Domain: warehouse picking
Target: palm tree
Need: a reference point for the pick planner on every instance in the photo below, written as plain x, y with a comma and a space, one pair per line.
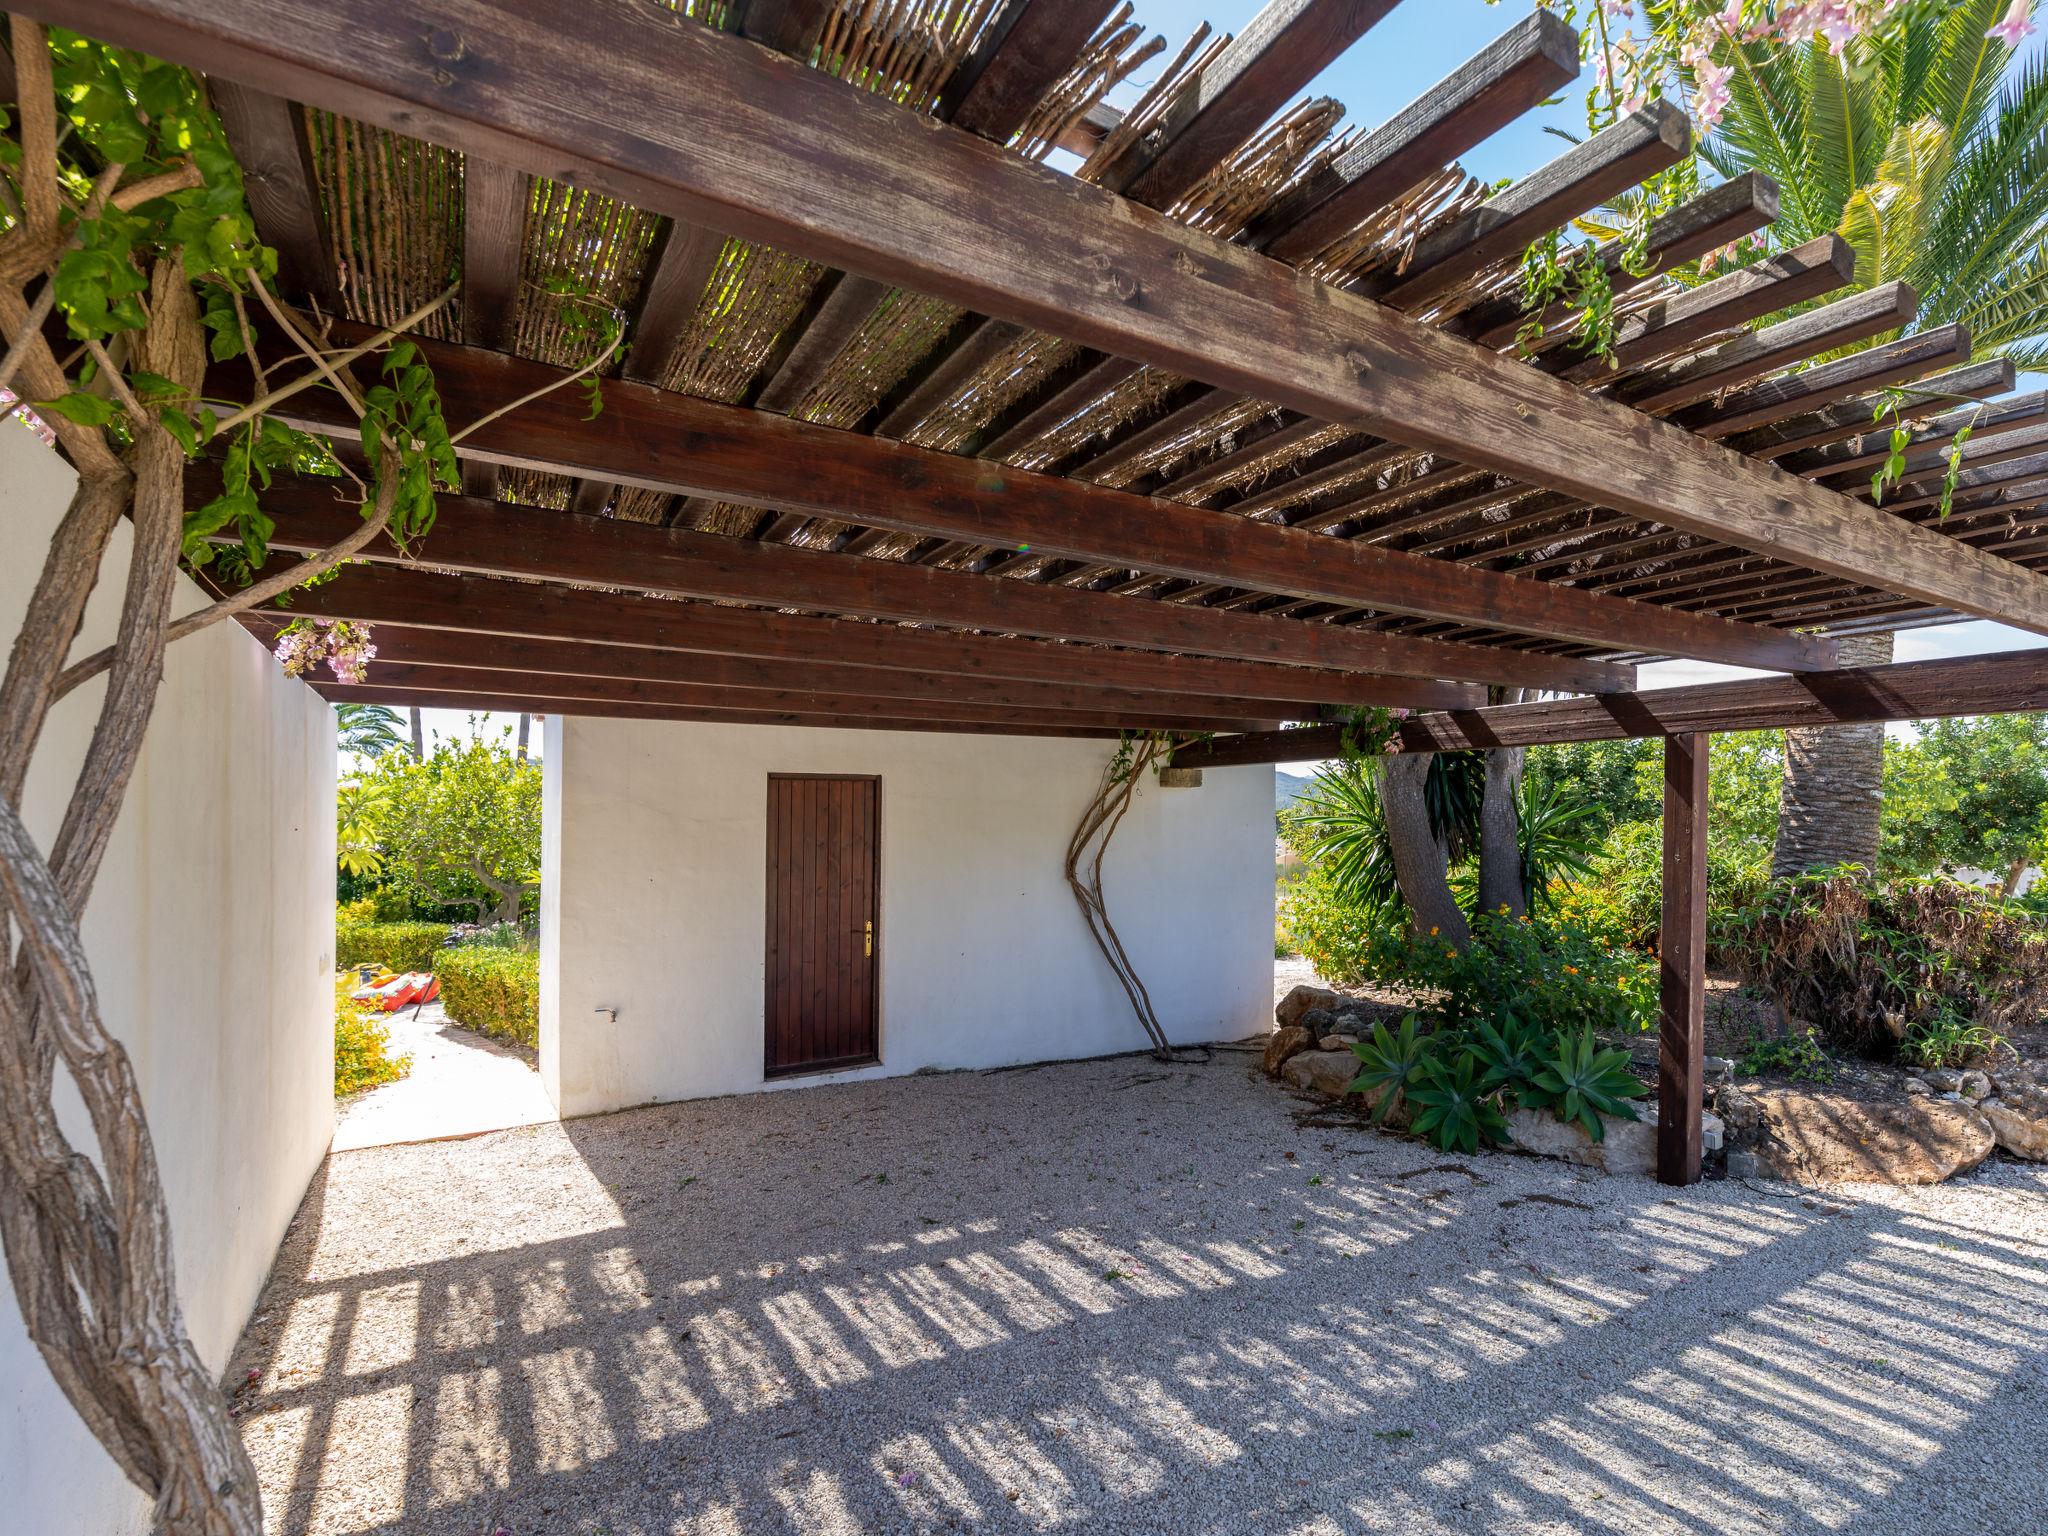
367, 730
1926, 148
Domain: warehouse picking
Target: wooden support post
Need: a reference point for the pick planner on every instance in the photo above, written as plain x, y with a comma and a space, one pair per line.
1681, 965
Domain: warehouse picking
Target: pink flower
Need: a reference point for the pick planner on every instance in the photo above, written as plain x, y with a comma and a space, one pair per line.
2016, 28
1710, 93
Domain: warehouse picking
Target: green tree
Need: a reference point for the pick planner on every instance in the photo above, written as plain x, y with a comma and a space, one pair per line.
1925, 146
459, 827
1607, 776
1968, 794
367, 730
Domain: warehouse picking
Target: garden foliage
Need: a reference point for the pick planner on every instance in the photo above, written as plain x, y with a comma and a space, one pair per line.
399, 946
492, 988
362, 1045
1928, 971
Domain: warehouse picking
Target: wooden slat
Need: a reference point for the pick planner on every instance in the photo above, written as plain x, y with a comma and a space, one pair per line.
1834, 462
1649, 140
1693, 314
838, 317
268, 137
1682, 961
1509, 77
1776, 399
2007, 682
506, 540
1715, 218
1025, 49
680, 443
787, 26
373, 692
1855, 418
534, 659
477, 605
932, 387
703, 125
1842, 323
1280, 50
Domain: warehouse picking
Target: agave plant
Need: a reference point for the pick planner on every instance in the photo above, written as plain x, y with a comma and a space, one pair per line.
1511, 1052
1391, 1065
1455, 1110
1581, 1081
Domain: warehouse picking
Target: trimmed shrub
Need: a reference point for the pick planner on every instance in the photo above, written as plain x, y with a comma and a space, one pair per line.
362, 1045
401, 946
1924, 970
493, 990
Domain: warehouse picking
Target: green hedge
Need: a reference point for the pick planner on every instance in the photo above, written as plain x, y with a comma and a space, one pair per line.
494, 990
402, 946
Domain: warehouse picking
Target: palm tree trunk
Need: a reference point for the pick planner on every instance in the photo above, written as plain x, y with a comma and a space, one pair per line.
525, 725
1421, 862
1500, 835
1833, 796
419, 747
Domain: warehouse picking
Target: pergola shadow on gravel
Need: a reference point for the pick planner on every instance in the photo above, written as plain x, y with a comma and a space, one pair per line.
1118, 1296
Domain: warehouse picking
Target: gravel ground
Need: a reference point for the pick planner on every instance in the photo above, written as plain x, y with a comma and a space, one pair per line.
1120, 1297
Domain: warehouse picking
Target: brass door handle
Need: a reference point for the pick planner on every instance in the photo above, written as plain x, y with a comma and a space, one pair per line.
869, 930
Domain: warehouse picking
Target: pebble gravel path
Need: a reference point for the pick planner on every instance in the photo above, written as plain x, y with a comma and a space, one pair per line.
1123, 1297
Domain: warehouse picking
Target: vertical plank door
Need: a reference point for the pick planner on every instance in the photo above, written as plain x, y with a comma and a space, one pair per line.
823, 844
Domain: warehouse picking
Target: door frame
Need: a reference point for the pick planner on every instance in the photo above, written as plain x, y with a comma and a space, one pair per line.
770, 1072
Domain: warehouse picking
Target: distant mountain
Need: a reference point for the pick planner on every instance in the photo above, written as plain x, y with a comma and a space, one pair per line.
1286, 787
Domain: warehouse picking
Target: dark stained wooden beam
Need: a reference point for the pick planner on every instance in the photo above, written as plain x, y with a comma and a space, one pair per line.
1026, 48
847, 710
679, 443
268, 136
706, 126
423, 645
1651, 139
506, 540
494, 203
2008, 682
504, 612
374, 692
1265, 66
1682, 961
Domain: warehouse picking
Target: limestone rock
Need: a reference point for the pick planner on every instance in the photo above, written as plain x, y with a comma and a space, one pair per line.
1291, 1041
1298, 1002
1318, 1022
1626, 1146
2019, 1119
1337, 1042
1974, 1086
1943, 1079
1325, 1072
1738, 1110
1818, 1137
1916, 1087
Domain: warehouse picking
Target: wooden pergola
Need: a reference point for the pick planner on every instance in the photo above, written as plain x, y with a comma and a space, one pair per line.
1224, 429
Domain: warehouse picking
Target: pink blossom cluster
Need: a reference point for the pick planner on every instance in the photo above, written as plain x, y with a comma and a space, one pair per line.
345, 647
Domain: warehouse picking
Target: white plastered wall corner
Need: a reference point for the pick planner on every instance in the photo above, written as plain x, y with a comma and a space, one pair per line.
653, 904
211, 933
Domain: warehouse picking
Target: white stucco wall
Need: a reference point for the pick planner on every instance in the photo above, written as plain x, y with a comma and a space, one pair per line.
655, 889
211, 931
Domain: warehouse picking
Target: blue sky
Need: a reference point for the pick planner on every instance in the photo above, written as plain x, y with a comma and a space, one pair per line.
1417, 44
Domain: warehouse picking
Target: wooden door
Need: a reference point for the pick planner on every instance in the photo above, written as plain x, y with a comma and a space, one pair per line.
824, 837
